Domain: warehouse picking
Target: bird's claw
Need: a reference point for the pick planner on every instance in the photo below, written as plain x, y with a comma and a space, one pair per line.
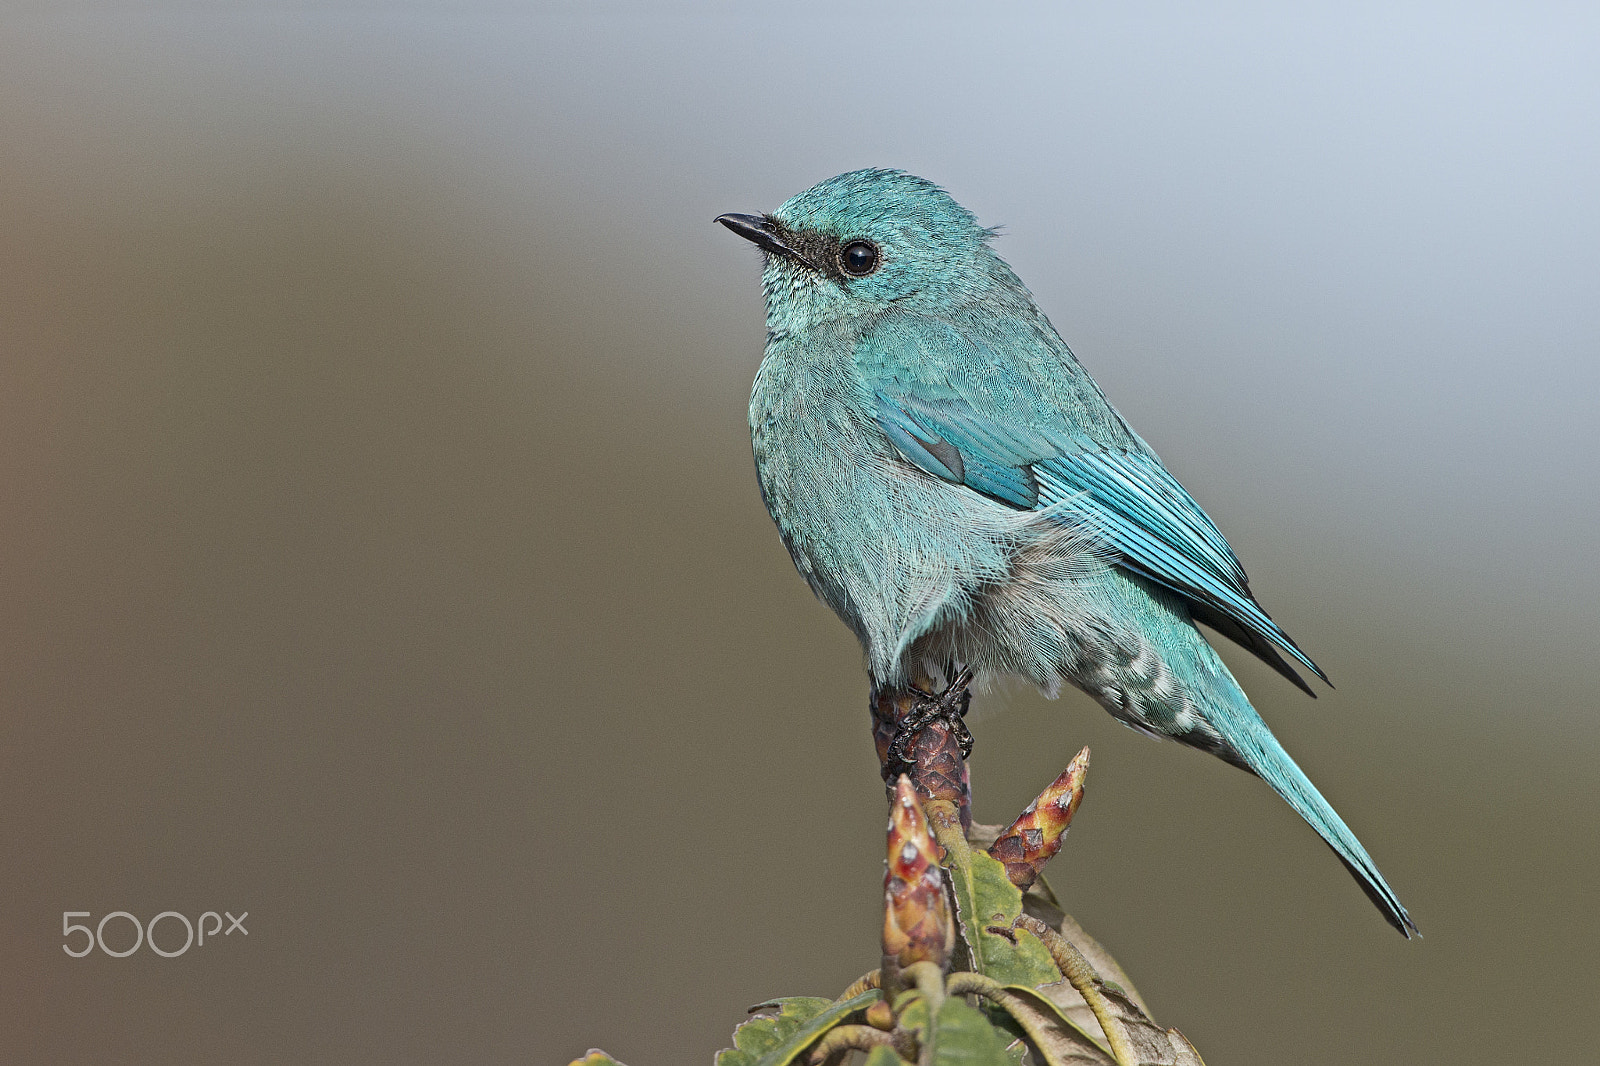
949, 706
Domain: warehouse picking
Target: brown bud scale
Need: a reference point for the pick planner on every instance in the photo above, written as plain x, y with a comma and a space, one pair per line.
939, 771
1029, 842
917, 925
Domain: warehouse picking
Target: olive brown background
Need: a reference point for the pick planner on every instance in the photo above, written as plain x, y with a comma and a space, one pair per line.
380, 552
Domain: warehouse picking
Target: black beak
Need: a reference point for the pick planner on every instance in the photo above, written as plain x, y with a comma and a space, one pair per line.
759, 230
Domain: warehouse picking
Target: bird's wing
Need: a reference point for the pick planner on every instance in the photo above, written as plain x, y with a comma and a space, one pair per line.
1002, 408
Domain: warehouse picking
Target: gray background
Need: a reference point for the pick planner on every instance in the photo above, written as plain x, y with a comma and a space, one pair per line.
380, 552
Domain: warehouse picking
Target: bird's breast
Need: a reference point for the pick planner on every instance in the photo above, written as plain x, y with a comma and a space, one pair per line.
819, 458
883, 543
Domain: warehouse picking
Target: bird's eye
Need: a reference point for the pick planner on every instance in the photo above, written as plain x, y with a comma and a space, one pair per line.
858, 258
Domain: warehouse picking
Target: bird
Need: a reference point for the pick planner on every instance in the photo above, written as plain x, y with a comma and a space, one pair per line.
953, 484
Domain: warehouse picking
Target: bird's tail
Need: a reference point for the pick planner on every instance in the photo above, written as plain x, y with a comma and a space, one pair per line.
1257, 750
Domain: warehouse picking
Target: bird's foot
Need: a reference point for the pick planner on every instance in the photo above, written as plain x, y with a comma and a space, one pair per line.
949, 706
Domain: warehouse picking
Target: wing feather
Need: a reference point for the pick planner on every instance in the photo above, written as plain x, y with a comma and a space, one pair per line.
1032, 431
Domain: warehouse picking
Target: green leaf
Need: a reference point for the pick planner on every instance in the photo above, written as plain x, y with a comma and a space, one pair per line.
1008, 1029
779, 1039
911, 1014
985, 896
883, 1056
964, 1037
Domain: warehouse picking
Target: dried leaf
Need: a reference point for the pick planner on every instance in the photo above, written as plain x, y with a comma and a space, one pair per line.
1187, 1055
1037, 904
1135, 1040
1151, 1045
1110, 971
1061, 1040
1146, 1042
595, 1057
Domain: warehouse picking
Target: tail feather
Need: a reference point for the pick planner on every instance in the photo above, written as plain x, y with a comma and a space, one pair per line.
1254, 748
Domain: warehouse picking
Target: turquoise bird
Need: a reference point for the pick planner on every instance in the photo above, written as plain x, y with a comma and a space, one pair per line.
957, 488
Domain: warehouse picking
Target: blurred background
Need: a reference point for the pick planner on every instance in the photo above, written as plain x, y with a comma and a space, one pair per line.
380, 552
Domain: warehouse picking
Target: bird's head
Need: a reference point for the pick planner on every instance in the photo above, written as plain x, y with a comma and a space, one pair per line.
866, 241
